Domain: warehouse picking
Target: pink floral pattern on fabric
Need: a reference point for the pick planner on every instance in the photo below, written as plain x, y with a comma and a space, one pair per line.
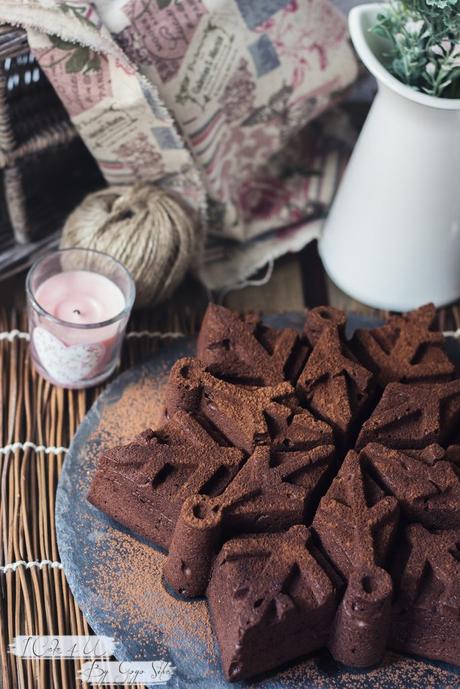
290, 74
160, 32
286, 189
243, 150
138, 155
239, 93
306, 45
262, 197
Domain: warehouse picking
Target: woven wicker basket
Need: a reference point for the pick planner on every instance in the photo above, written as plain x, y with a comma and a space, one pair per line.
45, 167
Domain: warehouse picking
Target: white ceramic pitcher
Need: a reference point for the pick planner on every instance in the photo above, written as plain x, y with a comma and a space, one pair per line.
392, 239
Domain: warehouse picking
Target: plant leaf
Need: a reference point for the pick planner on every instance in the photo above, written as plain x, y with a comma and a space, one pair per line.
60, 43
78, 60
94, 63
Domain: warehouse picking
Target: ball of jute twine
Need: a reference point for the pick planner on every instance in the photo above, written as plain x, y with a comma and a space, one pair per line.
145, 228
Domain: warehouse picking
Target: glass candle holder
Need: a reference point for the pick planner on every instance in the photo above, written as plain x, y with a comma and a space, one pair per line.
79, 302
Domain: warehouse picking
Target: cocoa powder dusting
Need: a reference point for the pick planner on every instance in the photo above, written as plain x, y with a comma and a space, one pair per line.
130, 572
139, 407
140, 597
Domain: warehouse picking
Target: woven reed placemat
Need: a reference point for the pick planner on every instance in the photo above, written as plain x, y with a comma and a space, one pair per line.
37, 423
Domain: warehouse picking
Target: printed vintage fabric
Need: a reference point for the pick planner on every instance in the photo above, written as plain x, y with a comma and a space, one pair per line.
202, 96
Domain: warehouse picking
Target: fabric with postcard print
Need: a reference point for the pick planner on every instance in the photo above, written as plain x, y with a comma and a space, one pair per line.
240, 77
201, 96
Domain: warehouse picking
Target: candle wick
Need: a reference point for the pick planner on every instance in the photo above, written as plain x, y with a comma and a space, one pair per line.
76, 311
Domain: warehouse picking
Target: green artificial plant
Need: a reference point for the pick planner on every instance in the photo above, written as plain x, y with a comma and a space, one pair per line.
423, 39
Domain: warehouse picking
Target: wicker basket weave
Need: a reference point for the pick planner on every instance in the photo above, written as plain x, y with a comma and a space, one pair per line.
45, 167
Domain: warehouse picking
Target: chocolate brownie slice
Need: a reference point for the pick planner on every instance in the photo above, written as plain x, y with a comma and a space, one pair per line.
405, 349
356, 524
414, 416
241, 349
272, 491
143, 484
334, 386
362, 623
321, 318
425, 483
426, 612
272, 599
246, 416
356, 521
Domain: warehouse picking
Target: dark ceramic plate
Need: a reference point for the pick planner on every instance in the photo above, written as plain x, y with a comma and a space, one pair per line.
116, 577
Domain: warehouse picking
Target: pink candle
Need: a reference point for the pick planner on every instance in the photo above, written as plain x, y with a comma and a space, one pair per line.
82, 297
78, 315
